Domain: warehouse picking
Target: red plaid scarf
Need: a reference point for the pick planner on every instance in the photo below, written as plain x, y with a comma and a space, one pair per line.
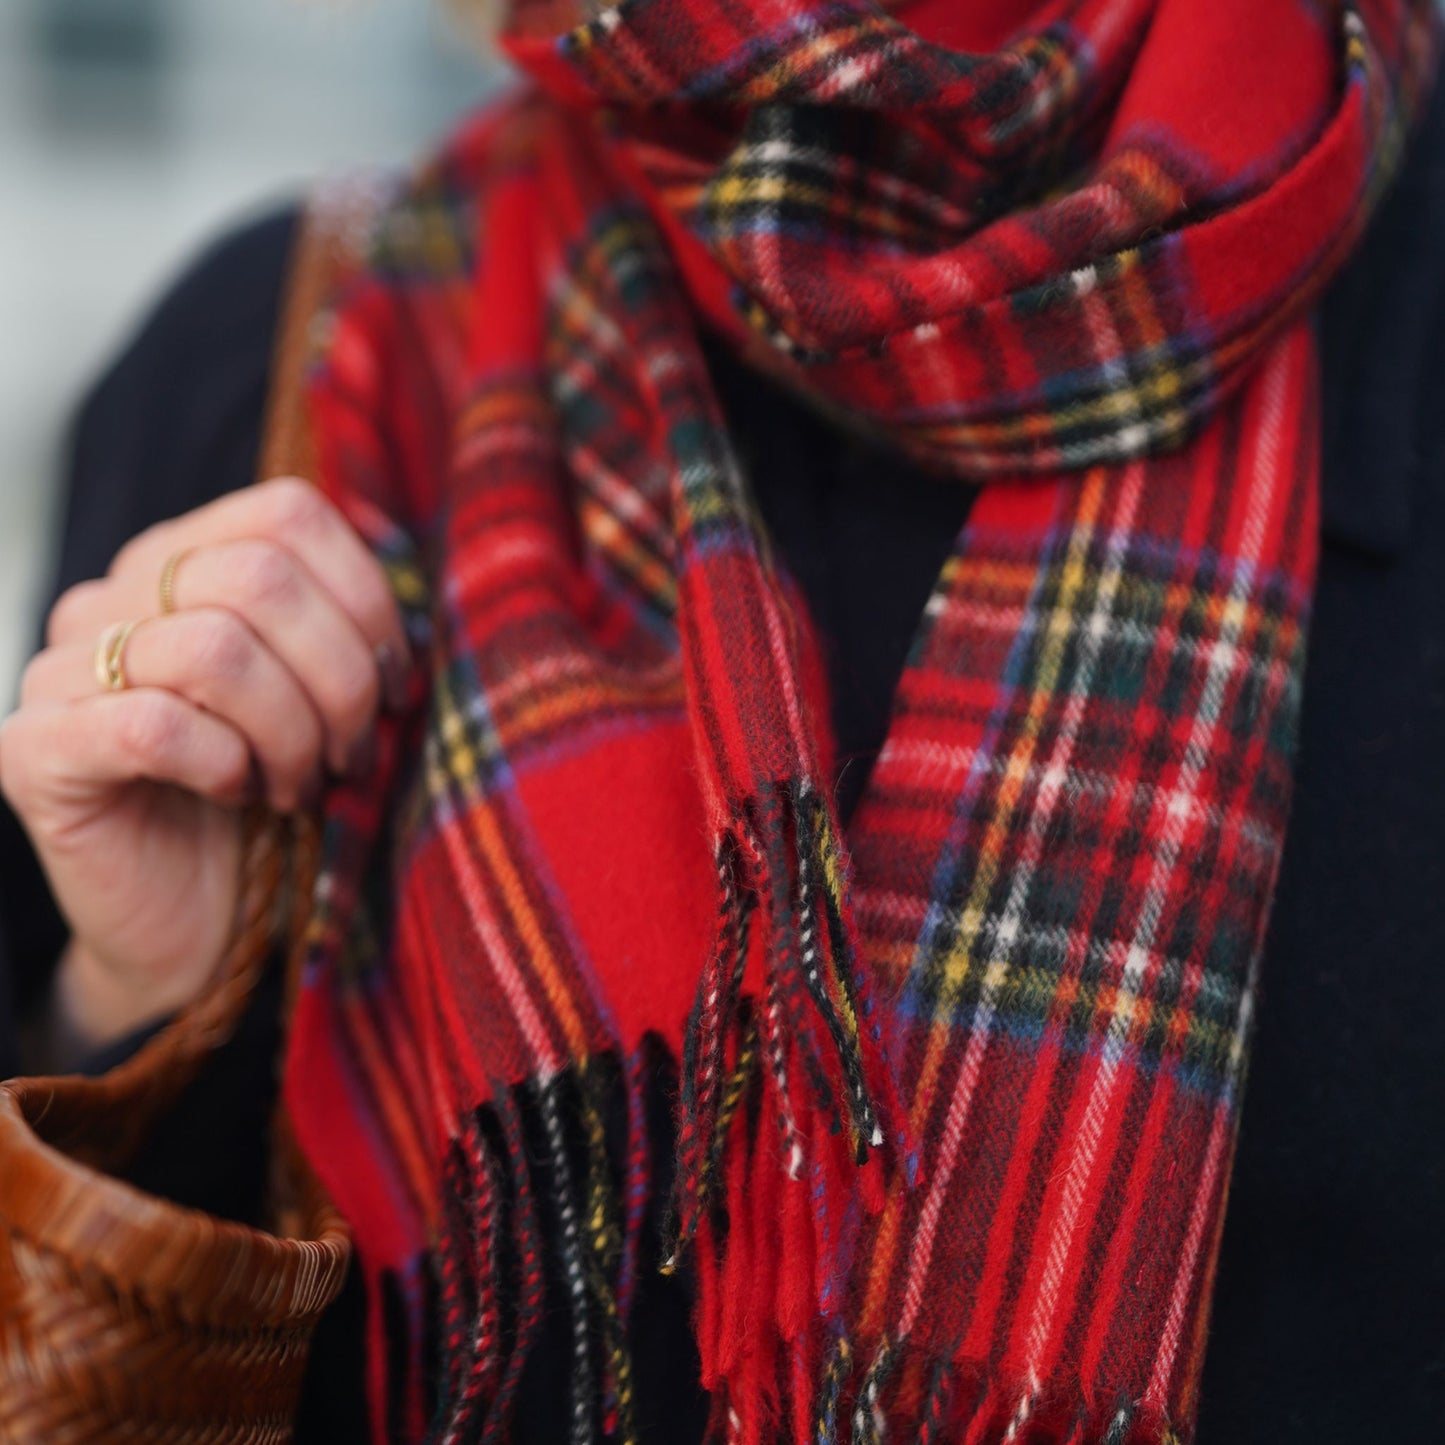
958, 1087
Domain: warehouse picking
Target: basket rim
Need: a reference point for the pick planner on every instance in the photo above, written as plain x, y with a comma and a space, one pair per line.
204, 1269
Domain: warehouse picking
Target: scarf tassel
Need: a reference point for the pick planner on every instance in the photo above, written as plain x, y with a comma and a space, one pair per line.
494, 1245
963, 1403
788, 1114
469, 1295
815, 1014
931, 1399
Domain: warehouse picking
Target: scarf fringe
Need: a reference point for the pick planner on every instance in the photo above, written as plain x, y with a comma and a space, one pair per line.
493, 1247
815, 1015
788, 1113
930, 1400
774, 1354
468, 1282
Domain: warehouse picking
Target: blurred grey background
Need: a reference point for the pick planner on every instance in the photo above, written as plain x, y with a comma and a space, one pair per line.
133, 131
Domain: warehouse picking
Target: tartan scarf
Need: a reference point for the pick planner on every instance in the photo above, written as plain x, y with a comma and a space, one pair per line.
956, 1088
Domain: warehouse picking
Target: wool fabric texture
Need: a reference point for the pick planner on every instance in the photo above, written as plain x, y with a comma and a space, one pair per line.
957, 1087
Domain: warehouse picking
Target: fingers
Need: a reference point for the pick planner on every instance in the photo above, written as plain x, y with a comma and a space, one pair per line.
57, 755
287, 513
300, 622
265, 586
214, 660
76, 613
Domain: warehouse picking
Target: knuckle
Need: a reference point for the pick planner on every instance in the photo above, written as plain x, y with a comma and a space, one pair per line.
33, 678
221, 646
293, 505
141, 545
262, 574
14, 775
149, 728
70, 606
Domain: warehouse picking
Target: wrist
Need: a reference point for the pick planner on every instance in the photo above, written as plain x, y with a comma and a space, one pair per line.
91, 1007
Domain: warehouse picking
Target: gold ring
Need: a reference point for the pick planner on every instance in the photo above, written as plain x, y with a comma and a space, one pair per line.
110, 656
168, 580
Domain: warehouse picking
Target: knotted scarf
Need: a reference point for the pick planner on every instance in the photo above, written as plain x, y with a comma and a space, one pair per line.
955, 1088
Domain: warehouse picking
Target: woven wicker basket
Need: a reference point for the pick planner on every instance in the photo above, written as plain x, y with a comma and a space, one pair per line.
123, 1317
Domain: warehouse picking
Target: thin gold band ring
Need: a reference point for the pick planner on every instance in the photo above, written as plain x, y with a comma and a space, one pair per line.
168, 581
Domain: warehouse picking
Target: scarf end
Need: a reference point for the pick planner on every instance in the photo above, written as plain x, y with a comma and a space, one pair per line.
798, 1022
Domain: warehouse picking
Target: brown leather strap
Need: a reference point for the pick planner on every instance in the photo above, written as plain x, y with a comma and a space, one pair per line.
286, 441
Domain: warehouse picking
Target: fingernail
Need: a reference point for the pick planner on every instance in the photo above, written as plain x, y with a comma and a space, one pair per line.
361, 760
393, 677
